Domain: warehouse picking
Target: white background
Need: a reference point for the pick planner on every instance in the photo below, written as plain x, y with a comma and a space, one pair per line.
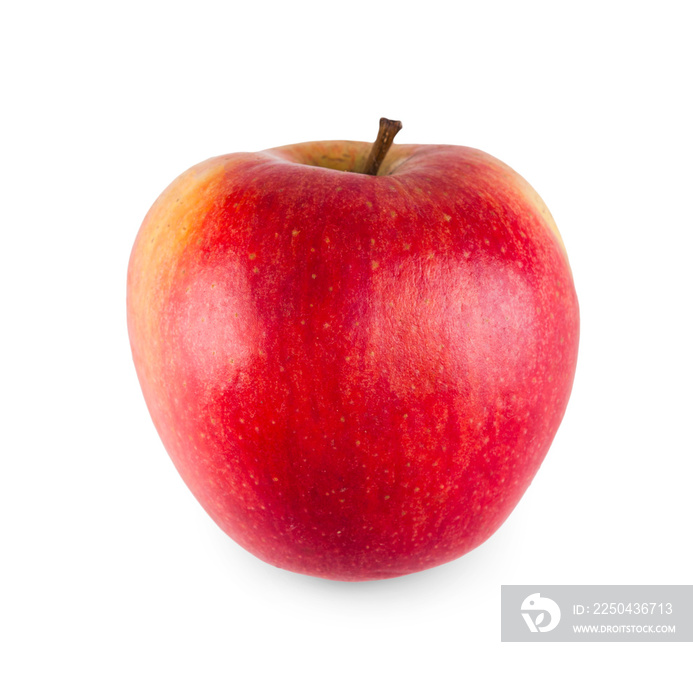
114, 583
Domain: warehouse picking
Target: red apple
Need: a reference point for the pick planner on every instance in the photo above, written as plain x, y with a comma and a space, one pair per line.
356, 375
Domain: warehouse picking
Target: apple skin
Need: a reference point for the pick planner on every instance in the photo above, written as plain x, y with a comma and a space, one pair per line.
357, 376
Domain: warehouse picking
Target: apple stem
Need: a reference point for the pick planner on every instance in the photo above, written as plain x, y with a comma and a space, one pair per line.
386, 135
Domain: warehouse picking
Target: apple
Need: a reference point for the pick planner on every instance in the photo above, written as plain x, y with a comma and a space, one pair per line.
356, 357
